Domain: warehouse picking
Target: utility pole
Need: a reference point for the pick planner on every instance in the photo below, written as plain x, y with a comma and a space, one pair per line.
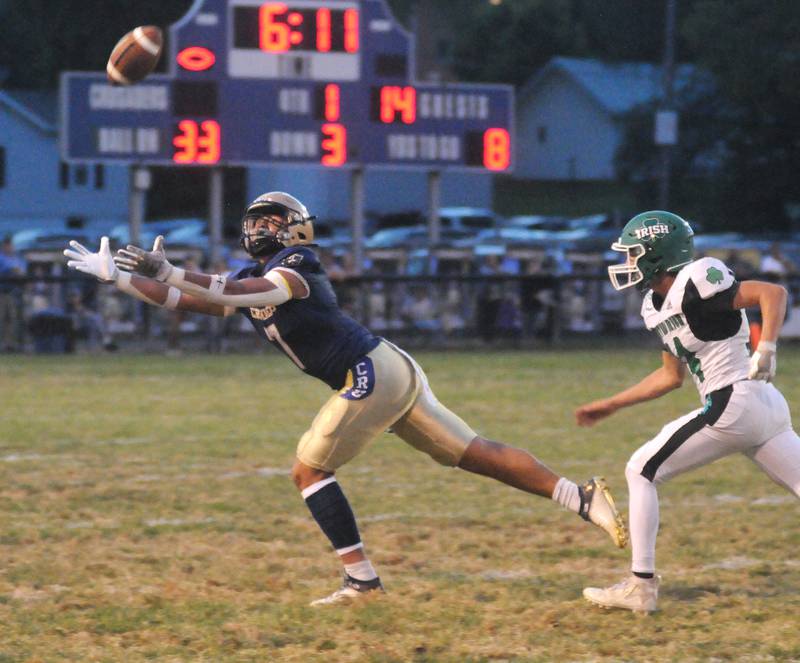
666, 125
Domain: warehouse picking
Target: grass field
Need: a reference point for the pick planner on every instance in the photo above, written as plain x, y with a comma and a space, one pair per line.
146, 514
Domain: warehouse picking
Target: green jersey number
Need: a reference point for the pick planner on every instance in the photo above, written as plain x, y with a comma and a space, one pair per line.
691, 360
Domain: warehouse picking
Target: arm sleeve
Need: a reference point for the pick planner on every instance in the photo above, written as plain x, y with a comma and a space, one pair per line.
215, 292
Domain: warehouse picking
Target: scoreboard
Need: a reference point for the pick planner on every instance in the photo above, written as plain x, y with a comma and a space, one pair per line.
307, 82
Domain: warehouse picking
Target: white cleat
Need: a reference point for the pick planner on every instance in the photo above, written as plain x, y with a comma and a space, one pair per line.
352, 590
597, 506
633, 593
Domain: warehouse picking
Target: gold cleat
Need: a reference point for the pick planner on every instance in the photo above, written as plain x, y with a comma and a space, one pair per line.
597, 506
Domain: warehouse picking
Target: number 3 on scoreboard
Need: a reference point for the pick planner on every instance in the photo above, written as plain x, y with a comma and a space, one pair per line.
334, 144
197, 143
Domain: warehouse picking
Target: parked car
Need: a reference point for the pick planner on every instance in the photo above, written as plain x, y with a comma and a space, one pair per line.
332, 234
411, 237
467, 219
537, 222
188, 230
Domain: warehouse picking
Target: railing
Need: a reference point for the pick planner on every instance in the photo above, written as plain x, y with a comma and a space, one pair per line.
74, 313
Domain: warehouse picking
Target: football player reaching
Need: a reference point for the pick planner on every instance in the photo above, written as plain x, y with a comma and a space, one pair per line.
287, 297
695, 307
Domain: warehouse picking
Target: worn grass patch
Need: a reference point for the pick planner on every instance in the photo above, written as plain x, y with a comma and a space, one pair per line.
146, 514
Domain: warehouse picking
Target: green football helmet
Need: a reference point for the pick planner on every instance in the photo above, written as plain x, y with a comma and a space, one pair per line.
653, 243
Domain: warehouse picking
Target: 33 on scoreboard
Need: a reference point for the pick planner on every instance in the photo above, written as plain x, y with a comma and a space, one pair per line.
307, 82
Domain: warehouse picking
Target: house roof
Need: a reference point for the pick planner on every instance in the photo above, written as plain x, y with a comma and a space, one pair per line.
617, 86
39, 107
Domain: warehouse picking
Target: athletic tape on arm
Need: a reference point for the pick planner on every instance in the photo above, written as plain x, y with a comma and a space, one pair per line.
215, 292
125, 285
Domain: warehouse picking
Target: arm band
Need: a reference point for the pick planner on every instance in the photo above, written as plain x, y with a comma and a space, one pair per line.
125, 285
215, 292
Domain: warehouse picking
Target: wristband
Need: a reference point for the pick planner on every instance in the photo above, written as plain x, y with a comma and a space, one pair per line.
175, 277
767, 346
173, 297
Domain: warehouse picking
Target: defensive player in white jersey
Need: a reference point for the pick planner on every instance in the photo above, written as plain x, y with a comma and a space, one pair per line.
695, 307
288, 298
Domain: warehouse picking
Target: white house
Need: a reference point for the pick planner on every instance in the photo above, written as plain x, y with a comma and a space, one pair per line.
570, 115
37, 189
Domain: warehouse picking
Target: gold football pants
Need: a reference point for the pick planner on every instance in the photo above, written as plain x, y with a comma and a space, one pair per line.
386, 389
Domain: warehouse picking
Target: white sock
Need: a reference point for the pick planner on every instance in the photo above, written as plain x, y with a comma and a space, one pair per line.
567, 495
643, 520
361, 570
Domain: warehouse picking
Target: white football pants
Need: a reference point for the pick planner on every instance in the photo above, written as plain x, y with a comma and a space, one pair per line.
750, 417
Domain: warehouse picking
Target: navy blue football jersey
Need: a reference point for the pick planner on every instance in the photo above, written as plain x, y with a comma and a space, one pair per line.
313, 332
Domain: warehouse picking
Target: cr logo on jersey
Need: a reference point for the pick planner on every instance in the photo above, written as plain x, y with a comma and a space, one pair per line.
262, 313
360, 381
652, 228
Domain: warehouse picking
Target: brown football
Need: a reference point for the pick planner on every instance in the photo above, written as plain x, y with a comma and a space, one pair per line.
135, 55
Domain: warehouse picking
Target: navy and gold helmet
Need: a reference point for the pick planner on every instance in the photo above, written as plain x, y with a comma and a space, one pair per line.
294, 228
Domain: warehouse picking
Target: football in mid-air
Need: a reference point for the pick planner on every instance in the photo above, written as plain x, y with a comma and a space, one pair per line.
135, 55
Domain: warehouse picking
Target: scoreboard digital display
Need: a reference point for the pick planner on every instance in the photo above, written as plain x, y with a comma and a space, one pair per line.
305, 82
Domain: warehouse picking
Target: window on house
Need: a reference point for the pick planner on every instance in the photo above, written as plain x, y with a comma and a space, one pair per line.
541, 134
80, 175
99, 176
63, 175
2, 167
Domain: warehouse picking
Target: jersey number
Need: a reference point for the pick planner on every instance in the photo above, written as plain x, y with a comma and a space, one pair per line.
274, 335
691, 360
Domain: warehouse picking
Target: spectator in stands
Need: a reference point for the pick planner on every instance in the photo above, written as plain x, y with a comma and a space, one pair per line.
332, 266
176, 318
421, 313
742, 268
775, 266
12, 266
87, 324
489, 299
509, 317
453, 322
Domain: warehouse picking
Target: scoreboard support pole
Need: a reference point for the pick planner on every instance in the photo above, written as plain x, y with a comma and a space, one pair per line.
140, 181
215, 211
357, 218
216, 202
434, 203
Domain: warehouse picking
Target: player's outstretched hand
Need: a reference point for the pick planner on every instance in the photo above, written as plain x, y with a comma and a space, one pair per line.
763, 363
152, 264
100, 265
591, 413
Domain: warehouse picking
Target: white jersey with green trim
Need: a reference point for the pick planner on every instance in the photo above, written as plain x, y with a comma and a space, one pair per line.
697, 323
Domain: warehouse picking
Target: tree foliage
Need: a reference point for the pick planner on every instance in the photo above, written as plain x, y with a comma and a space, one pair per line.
39, 38
753, 49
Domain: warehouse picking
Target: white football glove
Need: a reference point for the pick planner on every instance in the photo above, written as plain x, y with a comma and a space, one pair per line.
100, 265
152, 264
762, 363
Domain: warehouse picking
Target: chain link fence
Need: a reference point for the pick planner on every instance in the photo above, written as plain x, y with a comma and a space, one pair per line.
55, 314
